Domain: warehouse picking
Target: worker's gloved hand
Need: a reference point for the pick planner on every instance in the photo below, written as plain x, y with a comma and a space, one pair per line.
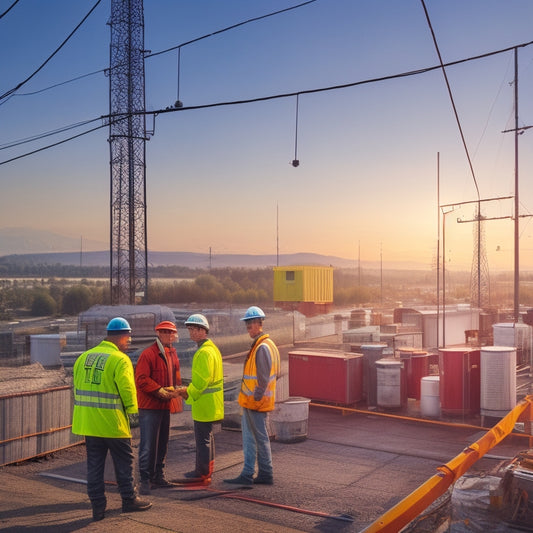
134, 419
164, 394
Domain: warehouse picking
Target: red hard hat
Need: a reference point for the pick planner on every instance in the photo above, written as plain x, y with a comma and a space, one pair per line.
167, 324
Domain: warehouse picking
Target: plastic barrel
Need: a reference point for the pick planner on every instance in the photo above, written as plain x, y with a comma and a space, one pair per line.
430, 396
289, 419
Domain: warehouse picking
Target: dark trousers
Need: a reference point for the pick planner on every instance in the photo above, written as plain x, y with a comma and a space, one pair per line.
154, 425
205, 448
122, 455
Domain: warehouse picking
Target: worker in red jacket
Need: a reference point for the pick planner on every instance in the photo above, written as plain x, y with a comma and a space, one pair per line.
157, 375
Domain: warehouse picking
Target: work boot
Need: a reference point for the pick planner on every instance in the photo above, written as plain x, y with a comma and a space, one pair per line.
144, 489
98, 513
131, 505
263, 480
161, 483
240, 480
198, 479
192, 474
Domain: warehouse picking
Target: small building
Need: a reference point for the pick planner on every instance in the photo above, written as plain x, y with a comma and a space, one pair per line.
307, 289
142, 319
460, 320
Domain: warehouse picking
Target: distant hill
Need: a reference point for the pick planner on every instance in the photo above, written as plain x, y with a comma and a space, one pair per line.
186, 259
198, 260
30, 241
30, 246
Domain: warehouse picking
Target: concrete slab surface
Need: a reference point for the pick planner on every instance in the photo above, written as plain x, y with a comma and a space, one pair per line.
349, 470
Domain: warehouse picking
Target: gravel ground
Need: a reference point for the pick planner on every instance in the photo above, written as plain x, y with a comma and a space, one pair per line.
30, 378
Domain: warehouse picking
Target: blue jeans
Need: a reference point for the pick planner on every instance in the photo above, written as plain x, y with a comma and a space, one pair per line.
154, 426
255, 444
122, 455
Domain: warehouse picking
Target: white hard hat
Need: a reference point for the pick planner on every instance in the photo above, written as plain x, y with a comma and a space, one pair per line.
198, 320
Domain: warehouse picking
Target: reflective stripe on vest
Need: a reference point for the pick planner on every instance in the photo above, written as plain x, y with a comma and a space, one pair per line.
217, 386
249, 380
114, 403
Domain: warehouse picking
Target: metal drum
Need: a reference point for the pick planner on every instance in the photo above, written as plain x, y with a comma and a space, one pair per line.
498, 380
459, 380
416, 367
391, 393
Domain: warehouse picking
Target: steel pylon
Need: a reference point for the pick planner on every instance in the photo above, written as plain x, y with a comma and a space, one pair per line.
127, 144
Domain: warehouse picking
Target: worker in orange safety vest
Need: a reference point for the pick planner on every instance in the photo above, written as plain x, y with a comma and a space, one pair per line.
257, 397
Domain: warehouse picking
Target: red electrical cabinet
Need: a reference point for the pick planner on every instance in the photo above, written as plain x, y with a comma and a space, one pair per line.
460, 386
326, 375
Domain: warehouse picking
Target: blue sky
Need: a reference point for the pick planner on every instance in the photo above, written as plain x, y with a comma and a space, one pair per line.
217, 178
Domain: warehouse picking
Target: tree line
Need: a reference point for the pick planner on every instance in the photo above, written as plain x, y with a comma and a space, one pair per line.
77, 289
70, 295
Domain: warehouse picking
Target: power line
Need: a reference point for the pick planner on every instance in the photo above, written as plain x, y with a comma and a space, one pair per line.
61, 83
9, 9
232, 27
47, 134
451, 96
176, 47
11, 91
283, 95
63, 141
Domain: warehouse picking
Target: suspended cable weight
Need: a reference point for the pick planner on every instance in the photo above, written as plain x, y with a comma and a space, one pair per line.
296, 161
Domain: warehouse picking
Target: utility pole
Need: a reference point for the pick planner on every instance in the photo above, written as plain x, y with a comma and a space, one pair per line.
277, 234
127, 145
516, 299
477, 248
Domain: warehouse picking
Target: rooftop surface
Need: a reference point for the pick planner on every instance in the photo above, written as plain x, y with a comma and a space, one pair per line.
350, 469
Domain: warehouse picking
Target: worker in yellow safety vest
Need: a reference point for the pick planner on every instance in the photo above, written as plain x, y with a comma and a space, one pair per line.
257, 397
104, 396
205, 395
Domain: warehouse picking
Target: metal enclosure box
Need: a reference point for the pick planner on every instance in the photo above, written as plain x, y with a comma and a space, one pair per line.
326, 375
460, 378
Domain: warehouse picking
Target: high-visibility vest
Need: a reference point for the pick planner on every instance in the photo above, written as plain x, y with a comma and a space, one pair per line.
206, 390
249, 378
104, 393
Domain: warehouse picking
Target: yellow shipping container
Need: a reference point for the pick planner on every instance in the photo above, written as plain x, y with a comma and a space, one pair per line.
303, 284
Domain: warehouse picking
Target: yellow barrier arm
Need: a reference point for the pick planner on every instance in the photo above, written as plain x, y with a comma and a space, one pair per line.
411, 506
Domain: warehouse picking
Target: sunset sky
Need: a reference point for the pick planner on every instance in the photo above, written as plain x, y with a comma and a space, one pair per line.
221, 177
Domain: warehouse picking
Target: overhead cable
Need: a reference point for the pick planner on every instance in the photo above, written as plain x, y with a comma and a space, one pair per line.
11, 91
47, 134
63, 141
283, 95
2, 15
233, 26
178, 47
451, 96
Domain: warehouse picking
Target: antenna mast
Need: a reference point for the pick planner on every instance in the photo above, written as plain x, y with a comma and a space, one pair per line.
127, 145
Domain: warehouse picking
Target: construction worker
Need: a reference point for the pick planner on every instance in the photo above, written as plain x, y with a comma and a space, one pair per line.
257, 397
205, 395
104, 396
157, 374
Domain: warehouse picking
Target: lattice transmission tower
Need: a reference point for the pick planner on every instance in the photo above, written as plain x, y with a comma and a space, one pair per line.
127, 144
480, 287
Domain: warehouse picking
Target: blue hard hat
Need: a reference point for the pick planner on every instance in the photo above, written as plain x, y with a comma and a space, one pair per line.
253, 312
118, 324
